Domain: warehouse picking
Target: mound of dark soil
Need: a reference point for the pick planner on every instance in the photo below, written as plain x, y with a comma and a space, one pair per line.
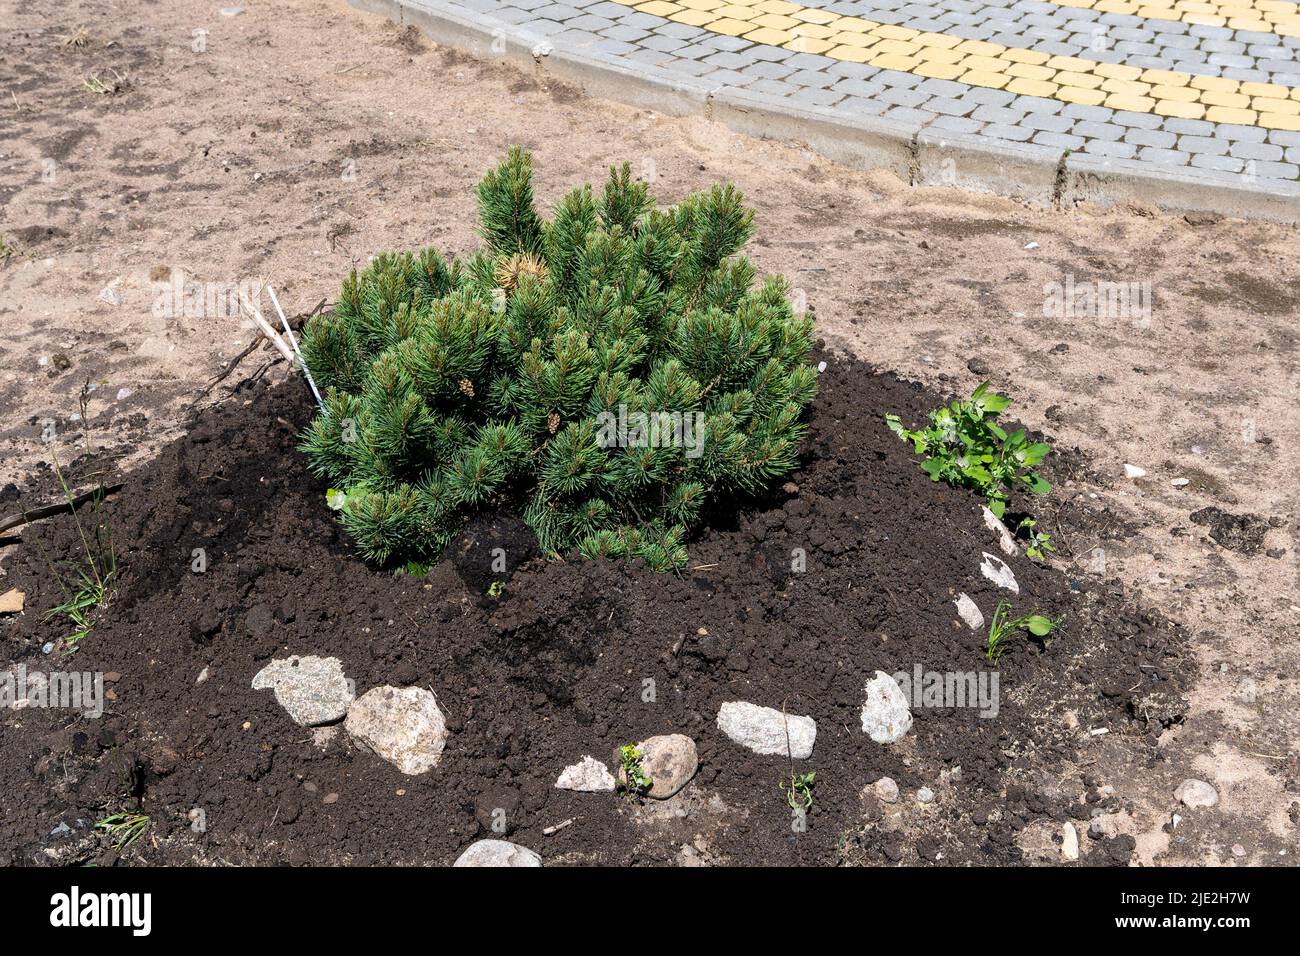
571, 659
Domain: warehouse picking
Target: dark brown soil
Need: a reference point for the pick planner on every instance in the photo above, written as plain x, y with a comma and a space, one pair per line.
556, 668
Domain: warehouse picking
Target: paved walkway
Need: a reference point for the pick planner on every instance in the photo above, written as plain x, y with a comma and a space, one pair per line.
1208, 87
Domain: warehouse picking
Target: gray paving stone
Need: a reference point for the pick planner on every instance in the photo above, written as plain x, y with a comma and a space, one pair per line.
1048, 122
1165, 157
1224, 164
1267, 152
1114, 150
1059, 140
1094, 130
1203, 144
1018, 134
1150, 138
956, 124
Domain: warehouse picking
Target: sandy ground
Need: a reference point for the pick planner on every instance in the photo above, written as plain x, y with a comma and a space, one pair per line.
288, 145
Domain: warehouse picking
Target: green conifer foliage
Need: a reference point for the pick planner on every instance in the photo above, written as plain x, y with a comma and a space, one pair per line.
611, 371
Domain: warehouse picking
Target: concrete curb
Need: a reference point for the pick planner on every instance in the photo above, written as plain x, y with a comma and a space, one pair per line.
1037, 175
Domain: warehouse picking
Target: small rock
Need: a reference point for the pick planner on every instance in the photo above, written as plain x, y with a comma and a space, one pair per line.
11, 602
1196, 793
497, 853
925, 795
1069, 842
1134, 471
669, 760
231, 11
330, 798
1180, 482
1070, 720
203, 675
124, 393
588, 775
886, 718
402, 725
886, 789
312, 689
1006, 540
977, 367
763, 730
1247, 691
110, 295
1238, 850
997, 571
969, 612
1106, 825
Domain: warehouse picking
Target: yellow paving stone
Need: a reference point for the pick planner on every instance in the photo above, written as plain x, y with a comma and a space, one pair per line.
777, 6
1076, 94
1082, 80
772, 37
853, 54
980, 48
658, 8
1220, 84
1071, 63
732, 28
1204, 20
816, 31
1224, 114
1126, 87
1246, 23
901, 47
1234, 100
1125, 7
1027, 87
808, 45
941, 40
1180, 94
1179, 109
939, 71
892, 61
993, 81
1279, 121
694, 18
1117, 71
1026, 56
813, 15
1264, 89
859, 40
1266, 105
888, 31
702, 4
1134, 104
853, 25
777, 21
931, 54
1166, 77
1030, 72
736, 11
989, 64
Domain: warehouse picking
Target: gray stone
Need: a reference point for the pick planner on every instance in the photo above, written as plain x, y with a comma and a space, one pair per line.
497, 853
1069, 842
886, 717
997, 571
588, 775
969, 612
312, 690
763, 730
925, 795
886, 789
1196, 793
669, 760
402, 725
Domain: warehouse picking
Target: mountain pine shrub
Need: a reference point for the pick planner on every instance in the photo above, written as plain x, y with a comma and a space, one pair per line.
610, 371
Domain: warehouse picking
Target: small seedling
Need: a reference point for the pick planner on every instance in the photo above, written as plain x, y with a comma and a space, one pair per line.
97, 575
78, 40
7, 249
1038, 545
1002, 627
125, 828
637, 781
966, 447
799, 791
496, 589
